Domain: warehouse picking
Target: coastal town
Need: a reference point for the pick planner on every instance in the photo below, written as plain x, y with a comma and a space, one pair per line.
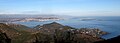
30, 19
40, 19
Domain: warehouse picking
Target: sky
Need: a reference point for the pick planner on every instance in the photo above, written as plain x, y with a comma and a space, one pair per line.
61, 7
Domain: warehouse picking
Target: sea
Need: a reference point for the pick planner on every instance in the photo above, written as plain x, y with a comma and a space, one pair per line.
110, 24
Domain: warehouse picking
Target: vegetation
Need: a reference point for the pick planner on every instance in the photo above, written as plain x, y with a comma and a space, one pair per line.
49, 33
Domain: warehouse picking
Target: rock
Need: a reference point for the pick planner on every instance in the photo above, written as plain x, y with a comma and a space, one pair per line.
4, 38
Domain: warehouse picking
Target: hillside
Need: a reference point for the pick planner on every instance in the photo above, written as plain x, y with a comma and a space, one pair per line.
11, 32
4, 38
18, 33
50, 33
57, 33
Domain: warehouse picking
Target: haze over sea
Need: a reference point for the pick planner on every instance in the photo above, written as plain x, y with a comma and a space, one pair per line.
109, 24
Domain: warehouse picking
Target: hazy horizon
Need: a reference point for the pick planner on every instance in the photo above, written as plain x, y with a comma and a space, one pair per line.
61, 7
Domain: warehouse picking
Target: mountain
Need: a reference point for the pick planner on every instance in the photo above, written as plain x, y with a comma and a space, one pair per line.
57, 33
51, 27
49, 33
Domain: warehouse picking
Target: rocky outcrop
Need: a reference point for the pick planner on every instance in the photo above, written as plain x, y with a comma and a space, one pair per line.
4, 38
